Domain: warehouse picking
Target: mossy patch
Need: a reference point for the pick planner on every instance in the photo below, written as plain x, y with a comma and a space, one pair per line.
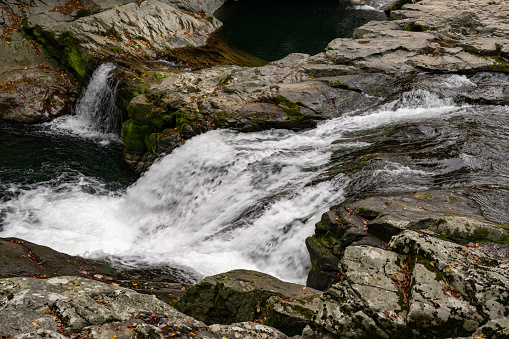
135, 136
339, 84
415, 27
484, 235
290, 108
64, 48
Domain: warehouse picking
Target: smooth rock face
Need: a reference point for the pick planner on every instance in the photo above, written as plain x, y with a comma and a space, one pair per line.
33, 87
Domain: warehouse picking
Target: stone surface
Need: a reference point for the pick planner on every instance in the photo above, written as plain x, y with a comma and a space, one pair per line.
146, 29
242, 295
438, 269
72, 306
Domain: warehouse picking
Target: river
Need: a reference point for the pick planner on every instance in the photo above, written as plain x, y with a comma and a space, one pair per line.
228, 200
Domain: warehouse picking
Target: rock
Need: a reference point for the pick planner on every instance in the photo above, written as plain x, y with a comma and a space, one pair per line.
242, 295
20, 258
147, 29
246, 330
412, 282
73, 306
33, 87
60, 36
196, 6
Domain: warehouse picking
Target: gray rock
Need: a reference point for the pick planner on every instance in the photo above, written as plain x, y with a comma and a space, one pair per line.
146, 29
72, 306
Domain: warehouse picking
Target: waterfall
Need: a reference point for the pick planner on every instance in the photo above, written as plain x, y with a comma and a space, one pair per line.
221, 201
96, 106
378, 5
96, 114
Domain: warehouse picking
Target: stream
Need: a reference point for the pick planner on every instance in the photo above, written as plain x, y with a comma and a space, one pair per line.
227, 200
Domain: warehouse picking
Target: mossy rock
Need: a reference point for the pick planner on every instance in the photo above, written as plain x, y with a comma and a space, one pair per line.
136, 136
64, 48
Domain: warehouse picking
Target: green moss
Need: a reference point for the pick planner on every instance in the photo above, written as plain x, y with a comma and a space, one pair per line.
64, 48
414, 27
505, 227
80, 13
339, 84
439, 275
136, 136
483, 235
290, 108
116, 49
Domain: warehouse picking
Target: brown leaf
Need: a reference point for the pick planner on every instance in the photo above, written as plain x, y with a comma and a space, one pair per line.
36, 325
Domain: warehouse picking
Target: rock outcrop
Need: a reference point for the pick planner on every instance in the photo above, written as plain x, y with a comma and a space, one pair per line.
417, 265
20, 258
61, 307
429, 36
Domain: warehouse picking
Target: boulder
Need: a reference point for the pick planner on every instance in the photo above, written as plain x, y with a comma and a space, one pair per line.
243, 295
20, 258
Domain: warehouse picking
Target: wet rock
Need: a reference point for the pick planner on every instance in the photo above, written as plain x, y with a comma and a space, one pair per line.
20, 258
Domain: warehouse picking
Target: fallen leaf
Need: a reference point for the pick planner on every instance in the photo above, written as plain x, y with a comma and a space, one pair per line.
36, 325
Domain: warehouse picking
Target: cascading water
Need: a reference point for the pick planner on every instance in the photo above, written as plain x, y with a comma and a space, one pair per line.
223, 200
96, 114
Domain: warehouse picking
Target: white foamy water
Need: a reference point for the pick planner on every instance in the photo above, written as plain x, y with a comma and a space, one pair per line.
96, 116
223, 200
375, 5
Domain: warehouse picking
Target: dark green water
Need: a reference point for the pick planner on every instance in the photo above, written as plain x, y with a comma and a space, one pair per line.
272, 29
35, 154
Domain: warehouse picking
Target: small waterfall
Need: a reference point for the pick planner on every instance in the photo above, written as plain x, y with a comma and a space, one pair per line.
221, 201
96, 106
97, 116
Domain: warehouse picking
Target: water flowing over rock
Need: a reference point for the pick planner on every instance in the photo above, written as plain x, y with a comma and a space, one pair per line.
300, 90
59, 41
389, 268
96, 107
